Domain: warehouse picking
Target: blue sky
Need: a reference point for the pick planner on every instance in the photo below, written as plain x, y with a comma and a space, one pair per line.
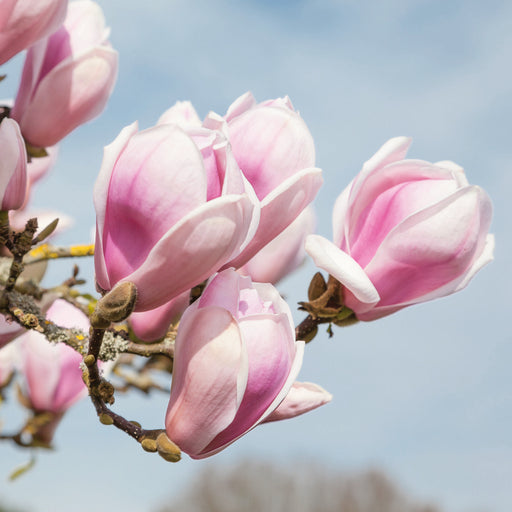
425, 394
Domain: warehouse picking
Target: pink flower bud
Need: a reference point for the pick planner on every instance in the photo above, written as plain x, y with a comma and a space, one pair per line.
236, 359
23, 22
67, 78
52, 371
405, 231
171, 209
13, 166
275, 151
284, 254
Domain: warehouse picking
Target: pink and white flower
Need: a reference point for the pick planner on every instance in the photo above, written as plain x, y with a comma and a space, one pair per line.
67, 77
236, 360
405, 231
171, 209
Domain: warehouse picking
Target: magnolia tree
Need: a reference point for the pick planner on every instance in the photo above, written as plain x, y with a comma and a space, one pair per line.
196, 221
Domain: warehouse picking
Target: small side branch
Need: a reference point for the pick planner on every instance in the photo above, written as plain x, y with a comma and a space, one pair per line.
49, 252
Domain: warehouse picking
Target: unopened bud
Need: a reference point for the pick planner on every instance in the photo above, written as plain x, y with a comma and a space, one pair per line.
46, 232
106, 419
167, 449
115, 306
89, 360
148, 445
317, 286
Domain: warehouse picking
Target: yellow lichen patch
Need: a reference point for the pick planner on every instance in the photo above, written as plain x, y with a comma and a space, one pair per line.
82, 250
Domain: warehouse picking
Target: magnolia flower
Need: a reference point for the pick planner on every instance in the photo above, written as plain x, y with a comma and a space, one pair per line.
23, 22
52, 370
405, 231
235, 361
67, 77
171, 209
275, 151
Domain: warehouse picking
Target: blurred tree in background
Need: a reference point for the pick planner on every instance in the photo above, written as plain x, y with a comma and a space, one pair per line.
253, 486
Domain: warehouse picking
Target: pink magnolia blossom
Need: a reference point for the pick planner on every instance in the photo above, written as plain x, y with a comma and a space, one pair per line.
9, 330
52, 371
13, 166
236, 360
284, 254
275, 151
171, 208
67, 77
405, 231
23, 22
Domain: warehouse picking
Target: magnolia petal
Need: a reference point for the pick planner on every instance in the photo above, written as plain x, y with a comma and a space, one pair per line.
432, 248
270, 144
284, 253
341, 266
271, 351
181, 113
294, 371
279, 209
302, 397
101, 187
153, 325
223, 290
243, 103
206, 238
211, 403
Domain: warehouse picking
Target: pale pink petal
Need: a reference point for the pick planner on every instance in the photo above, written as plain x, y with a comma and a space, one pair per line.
240, 105
345, 269
431, 247
302, 397
210, 404
153, 325
206, 238
284, 253
101, 188
271, 352
181, 113
270, 145
279, 209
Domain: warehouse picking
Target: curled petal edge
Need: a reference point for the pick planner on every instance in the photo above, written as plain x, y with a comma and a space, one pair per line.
344, 268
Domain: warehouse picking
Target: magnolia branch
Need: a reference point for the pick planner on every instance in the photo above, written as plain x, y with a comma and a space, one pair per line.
49, 252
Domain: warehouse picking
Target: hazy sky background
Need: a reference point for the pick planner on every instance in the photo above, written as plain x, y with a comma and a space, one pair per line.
424, 394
